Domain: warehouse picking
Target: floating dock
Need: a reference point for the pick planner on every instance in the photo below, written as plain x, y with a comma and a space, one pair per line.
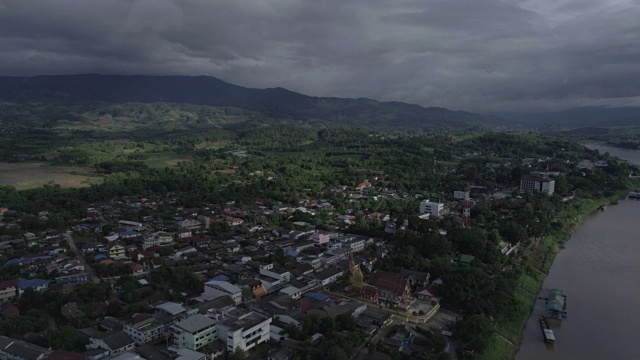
549, 337
556, 304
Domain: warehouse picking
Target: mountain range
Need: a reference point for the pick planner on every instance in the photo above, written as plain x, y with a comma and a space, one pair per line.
277, 103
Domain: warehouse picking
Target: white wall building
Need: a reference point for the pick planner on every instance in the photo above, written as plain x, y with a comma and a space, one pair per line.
537, 182
160, 238
434, 209
244, 331
144, 330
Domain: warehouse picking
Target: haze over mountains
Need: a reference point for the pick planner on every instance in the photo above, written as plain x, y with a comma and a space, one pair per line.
203, 90
279, 103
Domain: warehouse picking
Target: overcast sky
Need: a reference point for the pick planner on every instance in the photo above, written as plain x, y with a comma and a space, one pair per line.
477, 55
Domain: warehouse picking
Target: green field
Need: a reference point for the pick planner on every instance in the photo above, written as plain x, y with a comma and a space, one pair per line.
31, 175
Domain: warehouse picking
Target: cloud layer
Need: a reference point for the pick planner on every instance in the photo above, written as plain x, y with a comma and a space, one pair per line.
489, 55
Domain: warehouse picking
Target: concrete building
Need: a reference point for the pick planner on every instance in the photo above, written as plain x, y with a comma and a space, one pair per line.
8, 290
12, 349
274, 272
143, 329
537, 182
215, 289
194, 332
244, 331
116, 342
434, 209
160, 238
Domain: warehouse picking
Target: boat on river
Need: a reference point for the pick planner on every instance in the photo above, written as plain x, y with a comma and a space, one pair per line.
634, 194
549, 336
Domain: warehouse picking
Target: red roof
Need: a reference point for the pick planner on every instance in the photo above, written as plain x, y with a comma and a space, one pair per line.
8, 284
388, 281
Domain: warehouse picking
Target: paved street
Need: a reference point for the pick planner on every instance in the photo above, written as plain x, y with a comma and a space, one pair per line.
72, 245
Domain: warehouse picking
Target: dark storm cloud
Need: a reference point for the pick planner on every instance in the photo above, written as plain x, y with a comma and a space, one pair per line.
462, 54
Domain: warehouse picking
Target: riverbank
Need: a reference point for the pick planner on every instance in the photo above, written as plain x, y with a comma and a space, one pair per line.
535, 267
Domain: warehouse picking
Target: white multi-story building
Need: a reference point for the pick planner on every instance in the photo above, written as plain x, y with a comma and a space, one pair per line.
194, 332
537, 182
143, 329
160, 238
434, 209
244, 331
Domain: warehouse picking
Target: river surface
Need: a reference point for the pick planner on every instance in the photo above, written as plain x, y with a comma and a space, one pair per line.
599, 271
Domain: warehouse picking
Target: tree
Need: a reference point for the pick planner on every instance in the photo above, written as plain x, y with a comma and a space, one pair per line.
237, 354
476, 330
63, 338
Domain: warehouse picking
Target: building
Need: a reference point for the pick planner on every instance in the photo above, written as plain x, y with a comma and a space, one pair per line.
116, 342
12, 349
432, 208
537, 182
244, 331
8, 290
328, 276
321, 237
160, 238
194, 332
215, 289
384, 286
116, 251
461, 195
143, 329
130, 225
275, 273
35, 284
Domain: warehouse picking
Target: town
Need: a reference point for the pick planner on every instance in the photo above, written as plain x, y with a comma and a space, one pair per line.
146, 277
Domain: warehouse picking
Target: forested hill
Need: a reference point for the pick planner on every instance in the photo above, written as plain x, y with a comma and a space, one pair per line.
203, 90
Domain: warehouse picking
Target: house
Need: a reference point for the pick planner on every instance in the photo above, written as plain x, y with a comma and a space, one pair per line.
415, 278
130, 225
194, 332
8, 290
244, 331
116, 251
430, 293
12, 349
215, 288
137, 269
274, 272
143, 329
116, 342
70, 310
328, 276
35, 284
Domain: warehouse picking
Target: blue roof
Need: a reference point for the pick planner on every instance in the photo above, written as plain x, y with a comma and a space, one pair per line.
221, 278
100, 257
178, 218
26, 260
317, 296
86, 226
24, 284
128, 233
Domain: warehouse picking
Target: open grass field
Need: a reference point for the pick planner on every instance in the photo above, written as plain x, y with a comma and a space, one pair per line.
31, 175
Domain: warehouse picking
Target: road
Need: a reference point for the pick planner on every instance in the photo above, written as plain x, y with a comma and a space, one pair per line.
74, 248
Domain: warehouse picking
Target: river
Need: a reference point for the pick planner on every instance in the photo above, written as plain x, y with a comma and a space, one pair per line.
599, 271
